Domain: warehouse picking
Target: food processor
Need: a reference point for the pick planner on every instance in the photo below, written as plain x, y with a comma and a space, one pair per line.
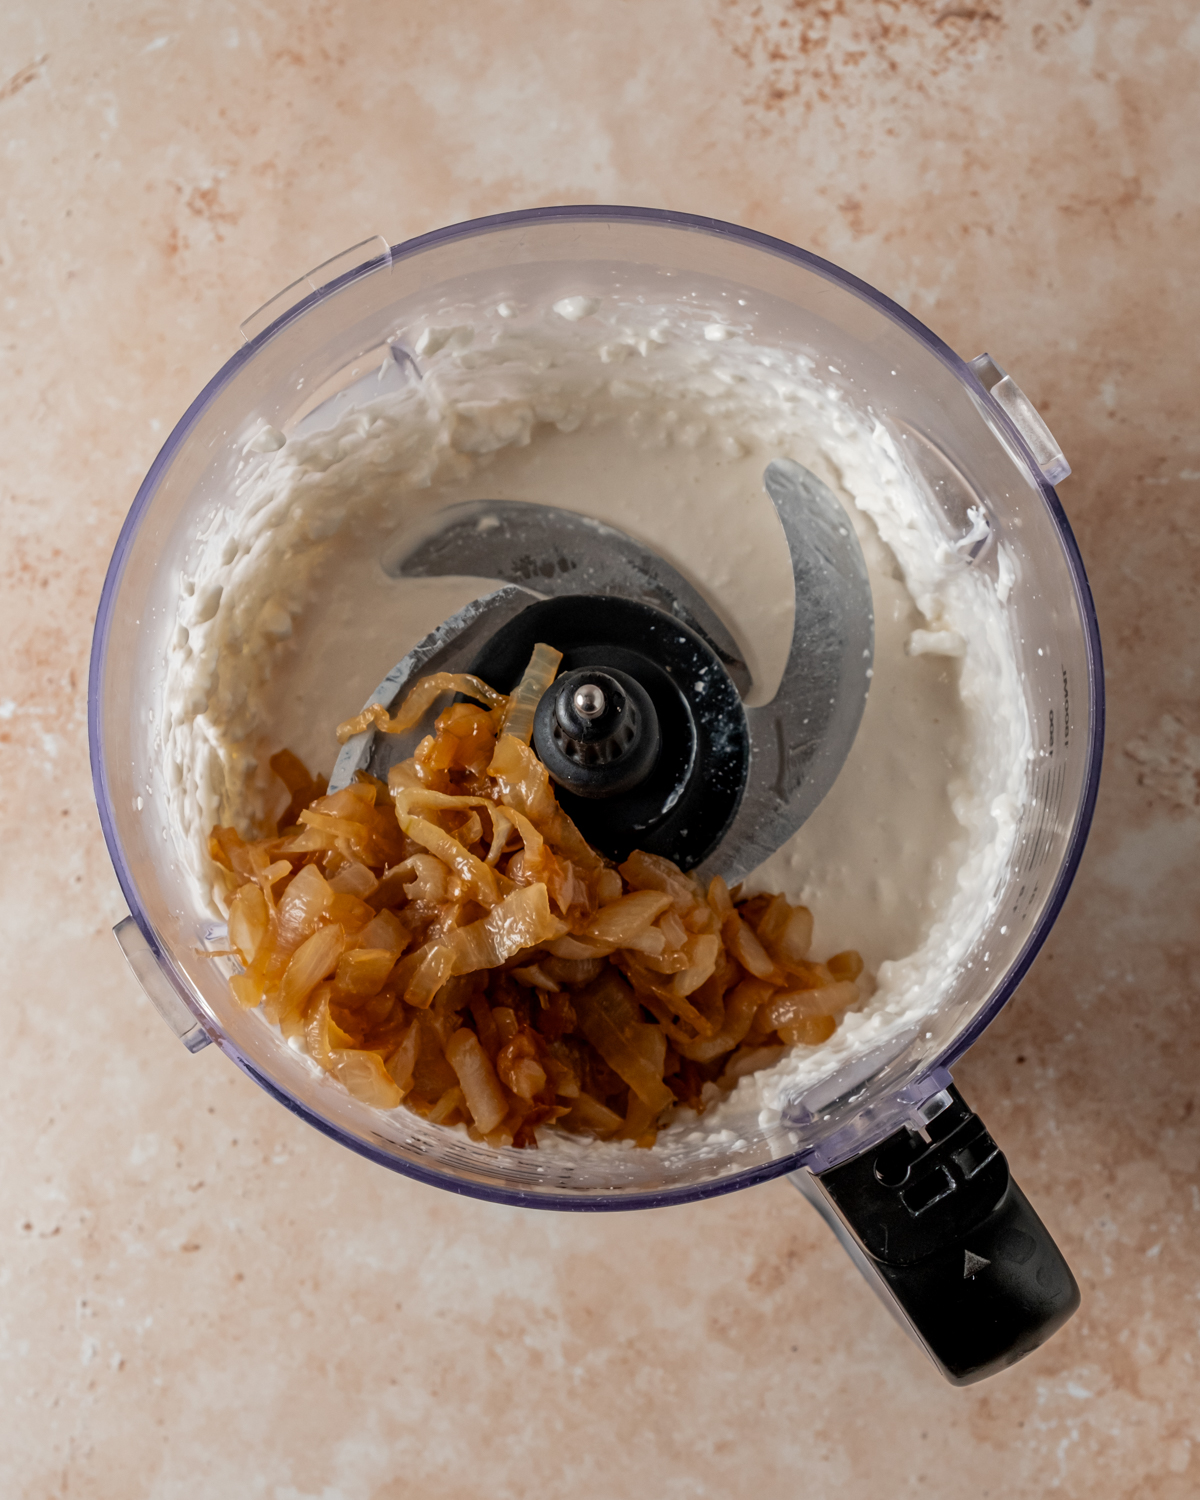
885, 1147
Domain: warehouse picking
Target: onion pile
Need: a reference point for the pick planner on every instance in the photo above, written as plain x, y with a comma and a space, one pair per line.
450, 942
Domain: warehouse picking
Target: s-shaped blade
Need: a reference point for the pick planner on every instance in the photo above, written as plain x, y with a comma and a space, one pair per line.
799, 741
553, 552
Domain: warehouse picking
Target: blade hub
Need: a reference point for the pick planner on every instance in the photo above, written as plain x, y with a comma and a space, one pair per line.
597, 732
666, 777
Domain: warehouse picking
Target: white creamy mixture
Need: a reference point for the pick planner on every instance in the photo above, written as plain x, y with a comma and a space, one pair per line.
661, 425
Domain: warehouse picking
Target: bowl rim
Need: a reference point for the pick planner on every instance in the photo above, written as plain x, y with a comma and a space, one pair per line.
593, 1199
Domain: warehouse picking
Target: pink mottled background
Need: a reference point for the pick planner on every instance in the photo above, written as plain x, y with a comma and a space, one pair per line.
199, 1296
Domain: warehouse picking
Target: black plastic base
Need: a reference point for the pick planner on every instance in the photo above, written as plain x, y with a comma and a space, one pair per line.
986, 1302
956, 1244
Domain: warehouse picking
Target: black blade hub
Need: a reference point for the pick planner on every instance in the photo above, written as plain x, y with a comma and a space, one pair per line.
597, 732
643, 732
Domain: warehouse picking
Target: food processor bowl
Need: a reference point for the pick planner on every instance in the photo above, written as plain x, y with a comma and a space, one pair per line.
986, 463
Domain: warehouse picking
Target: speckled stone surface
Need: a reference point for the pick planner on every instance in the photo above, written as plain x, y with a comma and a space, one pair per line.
200, 1296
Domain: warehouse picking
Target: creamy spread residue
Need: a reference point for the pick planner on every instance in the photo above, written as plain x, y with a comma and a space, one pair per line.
659, 422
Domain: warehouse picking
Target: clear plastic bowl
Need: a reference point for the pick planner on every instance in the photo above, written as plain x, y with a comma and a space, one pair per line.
967, 430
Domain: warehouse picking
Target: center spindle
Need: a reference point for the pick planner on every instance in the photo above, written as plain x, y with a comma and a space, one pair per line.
589, 701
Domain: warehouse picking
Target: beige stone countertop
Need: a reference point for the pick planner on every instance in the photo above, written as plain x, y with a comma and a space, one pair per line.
200, 1296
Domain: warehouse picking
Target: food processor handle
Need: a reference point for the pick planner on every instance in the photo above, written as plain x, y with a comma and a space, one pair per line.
935, 1222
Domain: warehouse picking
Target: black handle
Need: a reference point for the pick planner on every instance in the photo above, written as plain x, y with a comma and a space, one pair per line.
955, 1243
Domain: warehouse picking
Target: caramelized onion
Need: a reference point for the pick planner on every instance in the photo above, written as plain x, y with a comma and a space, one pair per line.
452, 943
539, 674
481, 1088
633, 1049
418, 703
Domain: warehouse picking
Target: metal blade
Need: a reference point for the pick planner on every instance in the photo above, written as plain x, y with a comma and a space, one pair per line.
554, 552
452, 647
800, 740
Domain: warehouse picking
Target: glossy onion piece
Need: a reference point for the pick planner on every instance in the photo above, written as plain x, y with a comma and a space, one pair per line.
633, 1049
481, 1088
314, 960
522, 920
539, 674
249, 920
418, 703
365, 1076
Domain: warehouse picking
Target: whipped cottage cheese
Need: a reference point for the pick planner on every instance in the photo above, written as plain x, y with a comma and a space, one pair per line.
659, 422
